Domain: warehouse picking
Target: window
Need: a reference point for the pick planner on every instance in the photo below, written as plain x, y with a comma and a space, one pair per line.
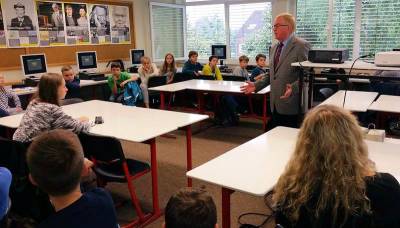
205, 26
332, 23
343, 24
250, 29
167, 30
244, 26
380, 26
312, 21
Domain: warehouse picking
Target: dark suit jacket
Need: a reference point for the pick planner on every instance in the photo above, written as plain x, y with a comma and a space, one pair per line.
296, 50
26, 23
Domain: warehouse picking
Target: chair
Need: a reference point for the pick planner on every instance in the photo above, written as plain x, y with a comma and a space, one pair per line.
180, 77
154, 96
27, 199
205, 77
326, 92
110, 164
233, 78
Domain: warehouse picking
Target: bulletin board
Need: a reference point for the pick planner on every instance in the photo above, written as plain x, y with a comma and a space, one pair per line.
62, 55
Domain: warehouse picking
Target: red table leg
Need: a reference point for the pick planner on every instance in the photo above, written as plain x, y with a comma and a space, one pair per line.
154, 177
189, 152
162, 100
154, 182
226, 207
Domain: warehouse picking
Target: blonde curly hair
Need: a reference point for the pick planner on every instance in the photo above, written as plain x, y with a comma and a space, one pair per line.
330, 158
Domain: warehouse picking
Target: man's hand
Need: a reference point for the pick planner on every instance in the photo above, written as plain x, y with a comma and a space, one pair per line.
288, 91
248, 88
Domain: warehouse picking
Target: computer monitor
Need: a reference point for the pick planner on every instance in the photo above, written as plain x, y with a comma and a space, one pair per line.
87, 60
34, 65
220, 51
136, 55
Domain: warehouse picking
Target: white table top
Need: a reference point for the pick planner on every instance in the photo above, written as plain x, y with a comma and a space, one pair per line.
255, 166
386, 103
92, 82
206, 85
359, 65
356, 101
123, 122
32, 90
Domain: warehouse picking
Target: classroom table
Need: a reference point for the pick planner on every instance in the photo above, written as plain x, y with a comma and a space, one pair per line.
215, 87
360, 70
386, 106
31, 90
386, 103
355, 101
255, 166
132, 124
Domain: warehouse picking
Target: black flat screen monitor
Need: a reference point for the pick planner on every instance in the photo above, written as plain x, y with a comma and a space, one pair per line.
34, 65
136, 55
86, 60
219, 50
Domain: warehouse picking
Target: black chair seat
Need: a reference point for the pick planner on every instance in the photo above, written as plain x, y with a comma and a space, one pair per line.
113, 172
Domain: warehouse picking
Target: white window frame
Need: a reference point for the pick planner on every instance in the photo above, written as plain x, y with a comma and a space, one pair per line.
356, 27
226, 3
151, 28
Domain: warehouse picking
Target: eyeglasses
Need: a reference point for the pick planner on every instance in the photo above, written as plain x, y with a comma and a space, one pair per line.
278, 25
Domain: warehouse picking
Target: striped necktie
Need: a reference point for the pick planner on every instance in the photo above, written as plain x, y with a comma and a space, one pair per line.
277, 55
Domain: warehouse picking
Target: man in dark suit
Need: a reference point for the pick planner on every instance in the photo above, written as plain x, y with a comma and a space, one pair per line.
283, 78
21, 21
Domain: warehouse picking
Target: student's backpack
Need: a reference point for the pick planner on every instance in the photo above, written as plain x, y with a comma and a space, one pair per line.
132, 94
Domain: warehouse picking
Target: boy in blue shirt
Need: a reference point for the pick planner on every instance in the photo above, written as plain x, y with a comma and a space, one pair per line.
192, 66
259, 71
56, 163
71, 82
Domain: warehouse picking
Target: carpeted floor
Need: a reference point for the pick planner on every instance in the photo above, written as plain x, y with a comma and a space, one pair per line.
171, 156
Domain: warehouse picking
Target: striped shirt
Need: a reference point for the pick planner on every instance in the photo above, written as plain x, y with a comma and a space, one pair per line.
6, 96
40, 117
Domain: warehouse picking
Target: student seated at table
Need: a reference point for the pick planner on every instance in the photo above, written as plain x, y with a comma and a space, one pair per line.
241, 70
9, 101
116, 82
5, 182
190, 208
169, 67
330, 181
258, 72
44, 112
192, 66
71, 82
211, 68
146, 71
56, 164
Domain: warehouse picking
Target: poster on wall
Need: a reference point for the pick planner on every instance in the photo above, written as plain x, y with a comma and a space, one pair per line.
51, 23
120, 27
77, 23
99, 24
3, 42
21, 23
